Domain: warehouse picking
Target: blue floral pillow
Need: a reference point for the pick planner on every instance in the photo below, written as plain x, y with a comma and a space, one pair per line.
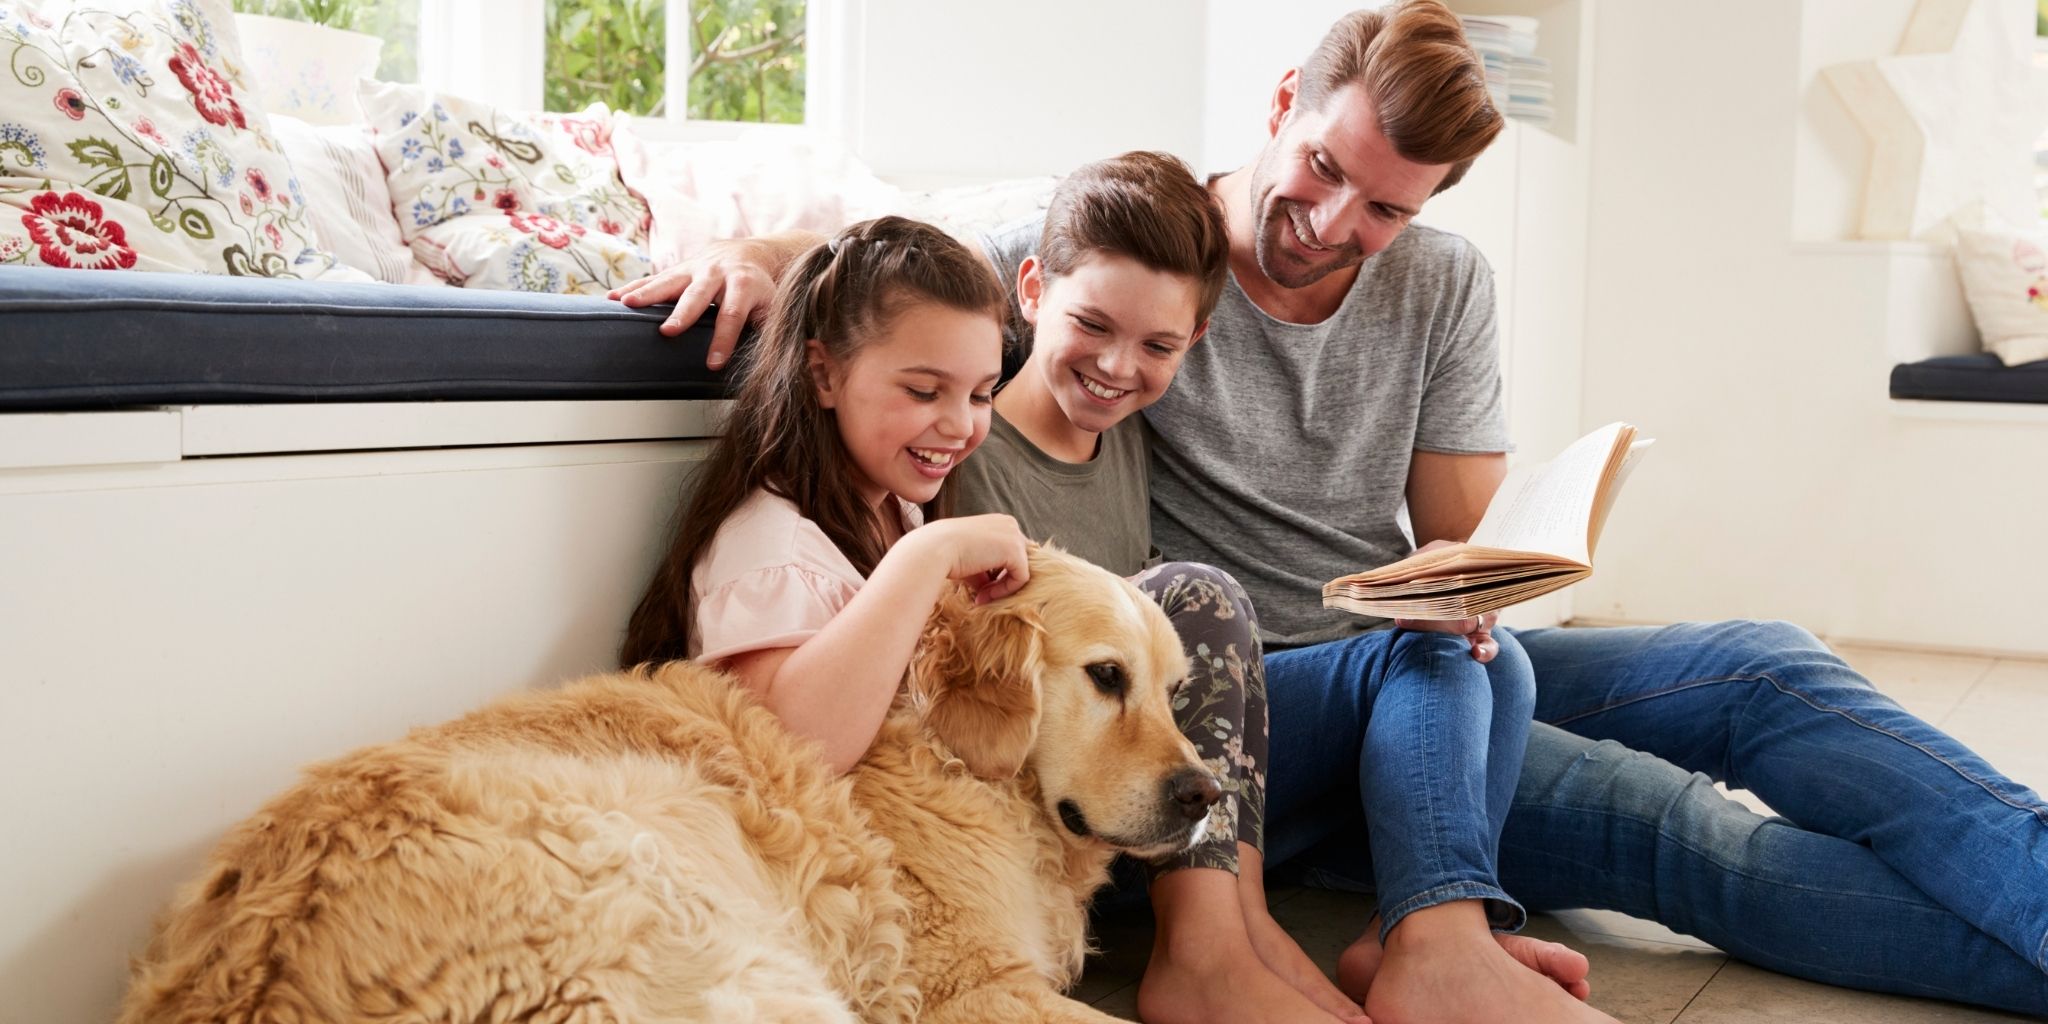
488, 199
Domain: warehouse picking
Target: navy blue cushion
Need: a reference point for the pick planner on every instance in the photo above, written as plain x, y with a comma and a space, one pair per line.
94, 339
1972, 378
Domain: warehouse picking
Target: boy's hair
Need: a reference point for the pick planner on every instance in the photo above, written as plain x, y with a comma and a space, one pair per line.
1426, 82
1144, 206
843, 293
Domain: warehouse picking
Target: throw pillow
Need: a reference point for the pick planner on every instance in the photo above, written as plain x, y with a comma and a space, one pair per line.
490, 199
126, 142
308, 71
2005, 278
337, 165
763, 182
966, 210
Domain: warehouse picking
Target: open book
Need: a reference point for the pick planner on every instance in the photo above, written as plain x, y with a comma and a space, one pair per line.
1537, 536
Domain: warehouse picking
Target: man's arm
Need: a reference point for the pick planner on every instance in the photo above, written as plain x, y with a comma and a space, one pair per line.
739, 274
1448, 494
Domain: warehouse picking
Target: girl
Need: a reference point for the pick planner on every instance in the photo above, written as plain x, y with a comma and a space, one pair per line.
1127, 267
800, 565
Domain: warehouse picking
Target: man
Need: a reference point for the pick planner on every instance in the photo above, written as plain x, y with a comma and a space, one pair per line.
1341, 377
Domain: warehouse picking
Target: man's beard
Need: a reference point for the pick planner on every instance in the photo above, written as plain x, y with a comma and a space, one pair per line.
1280, 265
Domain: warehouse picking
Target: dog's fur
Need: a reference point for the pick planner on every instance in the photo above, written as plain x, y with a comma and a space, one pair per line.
654, 846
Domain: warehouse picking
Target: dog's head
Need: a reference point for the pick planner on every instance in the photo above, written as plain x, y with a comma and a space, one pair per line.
1072, 677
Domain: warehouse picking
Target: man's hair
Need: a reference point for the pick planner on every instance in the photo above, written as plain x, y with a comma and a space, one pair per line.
1144, 206
1425, 81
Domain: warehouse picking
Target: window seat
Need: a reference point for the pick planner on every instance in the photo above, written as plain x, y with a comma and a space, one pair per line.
79, 340
1979, 377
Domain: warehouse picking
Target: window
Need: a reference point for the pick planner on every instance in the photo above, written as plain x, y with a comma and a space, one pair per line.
745, 58
696, 60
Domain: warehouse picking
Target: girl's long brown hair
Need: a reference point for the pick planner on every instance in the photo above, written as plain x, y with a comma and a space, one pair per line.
843, 293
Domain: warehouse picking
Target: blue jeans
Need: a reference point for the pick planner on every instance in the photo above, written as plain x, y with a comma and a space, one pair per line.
1902, 863
1399, 743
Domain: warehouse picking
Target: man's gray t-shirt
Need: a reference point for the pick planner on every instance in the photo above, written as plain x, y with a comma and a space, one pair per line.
1281, 452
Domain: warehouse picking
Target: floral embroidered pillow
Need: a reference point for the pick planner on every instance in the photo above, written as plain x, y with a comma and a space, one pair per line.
528, 252
126, 142
489, 199
2005, 278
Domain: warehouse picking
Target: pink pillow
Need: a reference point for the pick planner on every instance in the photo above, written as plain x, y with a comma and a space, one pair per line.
761, 183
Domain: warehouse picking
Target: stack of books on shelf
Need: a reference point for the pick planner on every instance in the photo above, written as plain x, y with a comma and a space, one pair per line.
1518, 79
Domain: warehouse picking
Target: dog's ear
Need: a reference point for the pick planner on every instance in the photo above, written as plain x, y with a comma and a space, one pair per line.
977, 671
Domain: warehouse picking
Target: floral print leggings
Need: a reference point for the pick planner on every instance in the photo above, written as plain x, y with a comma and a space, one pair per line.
1223, 706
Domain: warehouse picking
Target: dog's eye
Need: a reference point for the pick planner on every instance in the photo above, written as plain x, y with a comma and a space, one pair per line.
1108, 676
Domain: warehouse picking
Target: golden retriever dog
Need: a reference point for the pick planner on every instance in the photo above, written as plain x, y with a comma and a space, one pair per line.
654, 846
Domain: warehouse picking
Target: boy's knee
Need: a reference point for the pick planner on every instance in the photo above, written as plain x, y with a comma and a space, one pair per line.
1199, 586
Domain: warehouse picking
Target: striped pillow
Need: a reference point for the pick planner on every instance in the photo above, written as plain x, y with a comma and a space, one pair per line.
351, 212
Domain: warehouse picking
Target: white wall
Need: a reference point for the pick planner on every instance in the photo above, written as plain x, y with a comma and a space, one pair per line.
180, 637
940, 89
1785, 483
1249, 47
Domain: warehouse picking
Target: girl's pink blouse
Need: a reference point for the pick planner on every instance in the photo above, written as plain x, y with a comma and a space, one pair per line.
769, 579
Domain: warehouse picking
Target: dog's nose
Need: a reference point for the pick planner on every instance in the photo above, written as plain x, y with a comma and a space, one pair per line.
1194, 790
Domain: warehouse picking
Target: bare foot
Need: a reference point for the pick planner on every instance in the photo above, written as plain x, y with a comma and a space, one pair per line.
1284, 957
1442, 966
1236, 988
1360, 961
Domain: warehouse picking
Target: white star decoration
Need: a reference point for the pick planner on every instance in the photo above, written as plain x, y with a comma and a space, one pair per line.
1951, 119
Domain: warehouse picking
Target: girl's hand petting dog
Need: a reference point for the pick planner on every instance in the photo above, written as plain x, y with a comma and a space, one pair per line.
1478, 631
988, 553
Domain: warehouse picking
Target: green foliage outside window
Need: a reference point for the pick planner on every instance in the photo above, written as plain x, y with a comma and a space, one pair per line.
747, 60
747, 57
610, 50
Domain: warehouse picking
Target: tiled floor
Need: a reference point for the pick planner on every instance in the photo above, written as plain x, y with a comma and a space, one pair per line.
1646, 974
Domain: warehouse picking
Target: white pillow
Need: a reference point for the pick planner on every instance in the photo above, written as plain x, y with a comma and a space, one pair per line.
351, 206
305, 70
2005, 277
966, 210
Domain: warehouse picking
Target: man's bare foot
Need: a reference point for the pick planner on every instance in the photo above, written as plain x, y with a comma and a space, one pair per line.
1442, 966
1360, 961
1223, 986
1284, 957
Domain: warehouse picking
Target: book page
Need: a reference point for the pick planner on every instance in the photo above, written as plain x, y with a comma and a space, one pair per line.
1547, 508
1628, 465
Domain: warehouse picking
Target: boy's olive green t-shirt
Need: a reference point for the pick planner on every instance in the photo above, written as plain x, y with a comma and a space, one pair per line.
1099, 509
